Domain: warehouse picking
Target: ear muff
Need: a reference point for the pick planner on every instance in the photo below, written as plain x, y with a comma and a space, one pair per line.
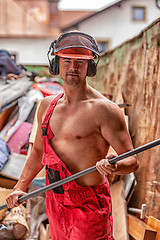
53, 62
92, 68
54, 66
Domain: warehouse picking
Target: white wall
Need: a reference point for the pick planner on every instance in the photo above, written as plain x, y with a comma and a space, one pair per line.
116, 23
29, 50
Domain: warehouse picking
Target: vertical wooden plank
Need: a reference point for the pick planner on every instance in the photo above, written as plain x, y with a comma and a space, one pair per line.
119, 212
47, 232
155, 224
32, 138
42, 232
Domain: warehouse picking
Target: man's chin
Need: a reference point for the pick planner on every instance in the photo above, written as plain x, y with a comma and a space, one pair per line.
72, 80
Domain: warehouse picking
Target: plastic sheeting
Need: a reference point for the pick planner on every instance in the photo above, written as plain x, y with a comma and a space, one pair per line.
25, 104
13, 90
4, 153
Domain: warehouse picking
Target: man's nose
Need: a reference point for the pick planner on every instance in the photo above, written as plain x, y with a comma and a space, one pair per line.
74, 64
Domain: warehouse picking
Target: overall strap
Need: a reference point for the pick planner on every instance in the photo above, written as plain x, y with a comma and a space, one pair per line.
49, 113
51, 107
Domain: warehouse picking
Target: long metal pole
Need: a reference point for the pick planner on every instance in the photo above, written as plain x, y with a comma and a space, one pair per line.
84, 172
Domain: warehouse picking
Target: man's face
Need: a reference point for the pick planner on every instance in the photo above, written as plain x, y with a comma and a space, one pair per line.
73, 71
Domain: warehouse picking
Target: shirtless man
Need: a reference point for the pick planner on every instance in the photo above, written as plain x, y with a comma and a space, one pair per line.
75, 134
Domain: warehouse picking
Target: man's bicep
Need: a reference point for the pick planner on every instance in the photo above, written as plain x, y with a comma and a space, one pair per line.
116, 134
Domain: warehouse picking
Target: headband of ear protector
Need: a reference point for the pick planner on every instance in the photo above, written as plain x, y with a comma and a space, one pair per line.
73, 40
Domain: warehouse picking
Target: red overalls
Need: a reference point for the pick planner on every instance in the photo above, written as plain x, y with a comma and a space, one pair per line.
74, 212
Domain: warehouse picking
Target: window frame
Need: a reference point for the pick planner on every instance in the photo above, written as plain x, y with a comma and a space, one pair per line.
132, 12
107, 41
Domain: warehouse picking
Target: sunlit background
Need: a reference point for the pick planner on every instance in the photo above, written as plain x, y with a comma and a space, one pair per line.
83, 4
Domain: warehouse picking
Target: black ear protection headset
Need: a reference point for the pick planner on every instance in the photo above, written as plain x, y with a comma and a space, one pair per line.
64, 42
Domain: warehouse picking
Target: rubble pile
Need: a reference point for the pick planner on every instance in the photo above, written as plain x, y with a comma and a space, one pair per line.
20, 93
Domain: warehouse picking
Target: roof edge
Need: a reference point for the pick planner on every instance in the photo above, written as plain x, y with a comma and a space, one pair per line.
92, 15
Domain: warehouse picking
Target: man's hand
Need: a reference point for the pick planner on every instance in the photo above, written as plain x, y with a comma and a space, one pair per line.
12, 199
104, 167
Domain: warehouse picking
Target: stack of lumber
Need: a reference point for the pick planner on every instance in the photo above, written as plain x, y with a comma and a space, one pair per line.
149, 229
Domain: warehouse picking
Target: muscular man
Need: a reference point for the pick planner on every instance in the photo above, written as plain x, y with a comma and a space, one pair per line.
75, 131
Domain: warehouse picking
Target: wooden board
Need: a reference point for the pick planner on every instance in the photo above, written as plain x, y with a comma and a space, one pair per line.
4, 115
34, 127
14, 166
7, 182
32, 139
155, 224
119, 212
3, 195
139, 230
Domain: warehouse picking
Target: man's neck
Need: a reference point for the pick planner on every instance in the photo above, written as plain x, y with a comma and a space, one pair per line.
76, 94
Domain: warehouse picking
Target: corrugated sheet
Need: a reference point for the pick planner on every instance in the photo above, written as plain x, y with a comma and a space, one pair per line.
134, 70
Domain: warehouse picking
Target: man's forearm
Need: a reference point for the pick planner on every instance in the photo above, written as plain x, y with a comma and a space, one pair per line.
26, 179
32, 167
127, 166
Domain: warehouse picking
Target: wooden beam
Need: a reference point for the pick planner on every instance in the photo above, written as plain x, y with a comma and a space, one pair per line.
155, 224
6, 182
4, 194
32, 139
47, 232
119, 211
42, 232
139, 230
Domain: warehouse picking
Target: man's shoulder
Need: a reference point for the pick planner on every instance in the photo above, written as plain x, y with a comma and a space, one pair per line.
45, 103
105, 109
48, 100
104, 103
101, 100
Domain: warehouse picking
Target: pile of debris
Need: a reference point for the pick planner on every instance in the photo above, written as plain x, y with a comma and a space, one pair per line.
20, 93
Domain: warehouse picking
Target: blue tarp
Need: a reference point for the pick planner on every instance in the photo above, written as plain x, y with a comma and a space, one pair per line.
4, 153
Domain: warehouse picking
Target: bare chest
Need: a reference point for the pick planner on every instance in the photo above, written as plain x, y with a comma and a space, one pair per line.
74, 123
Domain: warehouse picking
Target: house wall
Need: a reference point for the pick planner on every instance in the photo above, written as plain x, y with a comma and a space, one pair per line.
25, 29
15, 20
115, 24
132, 71
28, 50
